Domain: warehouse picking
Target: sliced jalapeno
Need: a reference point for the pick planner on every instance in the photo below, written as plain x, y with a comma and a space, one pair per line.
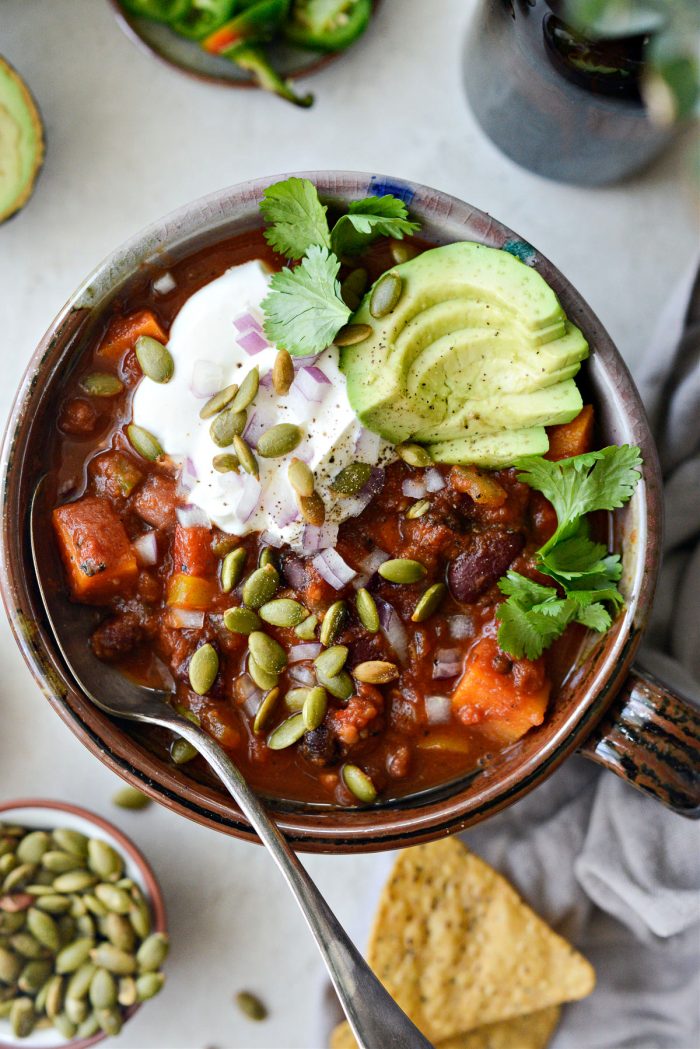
327, 27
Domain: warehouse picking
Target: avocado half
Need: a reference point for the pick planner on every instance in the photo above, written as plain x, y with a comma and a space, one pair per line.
474, 361
21, 142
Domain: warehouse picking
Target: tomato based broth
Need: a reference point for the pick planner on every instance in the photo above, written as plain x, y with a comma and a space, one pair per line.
456, 697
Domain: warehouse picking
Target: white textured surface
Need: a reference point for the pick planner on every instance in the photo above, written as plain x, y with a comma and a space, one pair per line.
128, 140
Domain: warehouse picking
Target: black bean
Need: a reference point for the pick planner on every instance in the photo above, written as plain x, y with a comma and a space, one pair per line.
320, 747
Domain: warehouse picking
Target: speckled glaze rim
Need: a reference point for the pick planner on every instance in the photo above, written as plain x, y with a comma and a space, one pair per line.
150, 885
443, 810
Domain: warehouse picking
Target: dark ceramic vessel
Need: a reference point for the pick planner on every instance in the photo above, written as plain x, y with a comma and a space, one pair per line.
606, 708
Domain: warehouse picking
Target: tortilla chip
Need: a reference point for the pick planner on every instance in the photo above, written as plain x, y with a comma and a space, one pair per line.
523, 1032
458, 949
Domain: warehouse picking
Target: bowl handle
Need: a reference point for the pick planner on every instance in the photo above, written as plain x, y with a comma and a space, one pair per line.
651, 738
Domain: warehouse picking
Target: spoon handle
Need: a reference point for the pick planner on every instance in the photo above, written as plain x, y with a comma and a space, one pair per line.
375, 1018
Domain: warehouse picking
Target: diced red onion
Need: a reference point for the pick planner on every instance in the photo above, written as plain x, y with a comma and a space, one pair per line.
438, 709
393, 629
246, 687
367, 446
299, 406
266, 380
448, 663
255, 426
250, 491
460, 627
305, 362
414, 488
302, 674
207, 378
186, 481
375, 481
309, 386
146, 548
252, 342
317, 374
191, 516
434, 480
319, 537
164, 284
185, 619
247, 322
333, 568
371, 563
300, 653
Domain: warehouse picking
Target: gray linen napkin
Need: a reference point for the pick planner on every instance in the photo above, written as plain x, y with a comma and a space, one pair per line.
608, 867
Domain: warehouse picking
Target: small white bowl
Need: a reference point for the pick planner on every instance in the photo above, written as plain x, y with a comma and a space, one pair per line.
46, 815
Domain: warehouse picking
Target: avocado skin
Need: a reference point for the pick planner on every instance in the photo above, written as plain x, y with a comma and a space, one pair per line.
471, 349
21, 108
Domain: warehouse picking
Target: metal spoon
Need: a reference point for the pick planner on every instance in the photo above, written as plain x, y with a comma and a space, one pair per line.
375, 1018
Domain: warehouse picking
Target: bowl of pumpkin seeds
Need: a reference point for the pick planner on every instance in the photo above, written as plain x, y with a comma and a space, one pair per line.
83, 934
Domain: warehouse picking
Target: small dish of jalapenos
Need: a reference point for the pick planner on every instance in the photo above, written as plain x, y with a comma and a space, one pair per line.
247, 43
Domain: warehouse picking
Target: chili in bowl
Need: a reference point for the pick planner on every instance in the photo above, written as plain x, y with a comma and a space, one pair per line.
350, 571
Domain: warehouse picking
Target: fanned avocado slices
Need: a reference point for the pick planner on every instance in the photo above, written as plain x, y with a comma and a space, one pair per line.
21, 142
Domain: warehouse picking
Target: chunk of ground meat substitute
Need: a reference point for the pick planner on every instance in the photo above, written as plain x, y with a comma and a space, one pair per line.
117, 637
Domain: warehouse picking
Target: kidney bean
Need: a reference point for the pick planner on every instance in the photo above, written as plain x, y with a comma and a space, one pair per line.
472, 572
118, 636
320, 747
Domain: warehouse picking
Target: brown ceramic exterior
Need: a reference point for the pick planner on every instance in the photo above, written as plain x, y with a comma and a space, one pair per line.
590, 688
150, 883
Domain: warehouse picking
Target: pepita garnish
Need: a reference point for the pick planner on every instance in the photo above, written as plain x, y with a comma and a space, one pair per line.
314, 709
306, 630
312, 508
402, 570
204, 666
296, 697
282, 373
358, 783
155, 359
367, 610
251, 1005
242, 620
232, 568
130, 798
287, 733
267, 557
219, 401
352, 334
182, 751
413, 454
148, 985
301, 478
267, 705
353, 287
33, 847
101, 384
402, 251
267, 652
104, 860
385, 294
225, 463
429, 602
247, 391
351, 479
103, 990
332, 660
340, 685
333, 622
245, 456
228, 425
260, 586
279, 440
262, 678
284, 612
152, 952
144, 442
375, 672
417, 509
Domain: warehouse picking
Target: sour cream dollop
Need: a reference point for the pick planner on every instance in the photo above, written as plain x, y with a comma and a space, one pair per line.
209, 351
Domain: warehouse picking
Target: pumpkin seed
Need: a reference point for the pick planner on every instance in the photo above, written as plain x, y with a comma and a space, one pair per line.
262, 678
287, 733
351, 479
76, 1009
72, 956
232, 568
414, 454
43, 928
54, 904
267, 705
267, 557
79, 982
417, 510
301, 478
101, 384
219, 401
307, 628
315, 706
245, 456
6, 1007
385, 294
119, 931
127, 994
71, 841
144, 442
152, 952
429, 602
130, 798
22, 1017
402, 570
279, 440
74, 881
140, 917
39, 997
27, 945
333, 622
182, 751
227, 425
88, 1027
10, 966
247, 391
340, 686
54, 996
104, 860
32, 847
375, 672
251, 1006
155, 359
24, 873
115, 899
204, 666
225, 463
34, 975
94, 905
7, 863
260, 586
402, 251
332, 660
58, 862
267, 652
103, 990
110, 1021
353, 287
351, 334
107, 956
312, 508
282, 373
64, 1025
283, 612
11, 922
367, 610
241, 620
85, 925
359, 783
149, 985
294, 699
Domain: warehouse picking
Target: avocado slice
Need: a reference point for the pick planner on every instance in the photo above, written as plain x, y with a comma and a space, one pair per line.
21, 142
474, 342
492, 450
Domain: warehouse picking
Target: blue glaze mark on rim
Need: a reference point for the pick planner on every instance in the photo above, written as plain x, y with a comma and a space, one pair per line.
522, 250
379, 187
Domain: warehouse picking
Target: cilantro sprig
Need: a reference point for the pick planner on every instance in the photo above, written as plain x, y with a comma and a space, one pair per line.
304, 309
533, 616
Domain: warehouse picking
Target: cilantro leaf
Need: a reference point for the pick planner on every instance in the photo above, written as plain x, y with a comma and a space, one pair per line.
532, 617
297, 218
303, 308
527, 592
595, 617
368, 219
575, 557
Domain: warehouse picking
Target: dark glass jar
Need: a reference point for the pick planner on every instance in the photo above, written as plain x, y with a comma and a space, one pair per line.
564, 106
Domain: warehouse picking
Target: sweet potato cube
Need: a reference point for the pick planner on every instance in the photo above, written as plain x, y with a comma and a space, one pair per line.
190, 592
95, 548
192, 552
124, 331
572, 438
